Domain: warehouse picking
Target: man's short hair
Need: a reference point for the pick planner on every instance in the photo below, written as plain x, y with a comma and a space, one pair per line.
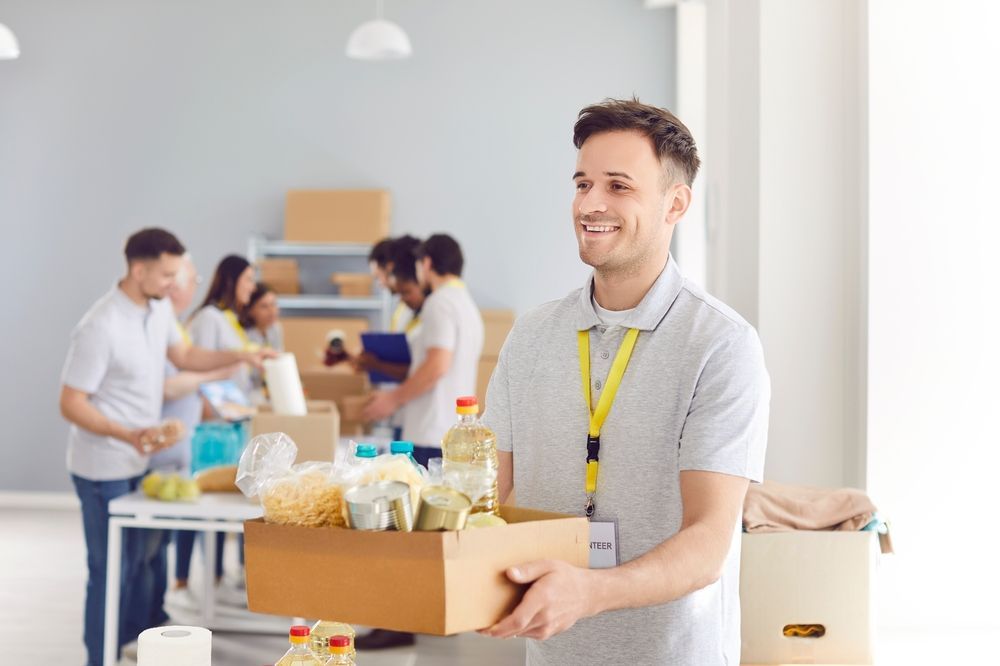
151, 244
672, 142
445, 254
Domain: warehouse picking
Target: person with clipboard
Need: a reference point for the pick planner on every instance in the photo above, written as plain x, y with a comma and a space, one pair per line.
640, 402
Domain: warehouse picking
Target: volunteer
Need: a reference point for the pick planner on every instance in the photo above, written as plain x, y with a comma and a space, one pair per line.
444, 353
445, 350
112, 395
380, 261
411, 295
216, 324
638, 400
260, 320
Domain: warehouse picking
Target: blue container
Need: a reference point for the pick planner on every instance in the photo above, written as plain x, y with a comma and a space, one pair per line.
217, 443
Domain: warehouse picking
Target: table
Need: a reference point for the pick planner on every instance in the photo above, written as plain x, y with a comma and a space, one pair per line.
213, 512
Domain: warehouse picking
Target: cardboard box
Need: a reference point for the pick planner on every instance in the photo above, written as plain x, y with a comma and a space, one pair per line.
825, 578
337, 216
438, 583
282, 275
487, 365
316, 434
349, 390
353, 284
306, 337
496, 326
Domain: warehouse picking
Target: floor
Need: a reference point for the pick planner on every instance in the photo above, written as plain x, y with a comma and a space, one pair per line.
42, 576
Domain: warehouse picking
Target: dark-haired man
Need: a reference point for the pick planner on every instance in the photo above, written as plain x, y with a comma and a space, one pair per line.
112, 394
641, 402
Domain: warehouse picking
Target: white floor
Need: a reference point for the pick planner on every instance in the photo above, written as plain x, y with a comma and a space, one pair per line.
42, 576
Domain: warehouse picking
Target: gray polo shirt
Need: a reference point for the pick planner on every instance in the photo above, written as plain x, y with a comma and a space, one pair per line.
694, 397
211, 329
117, 356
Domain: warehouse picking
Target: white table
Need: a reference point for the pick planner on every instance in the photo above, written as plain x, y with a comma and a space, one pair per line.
212, 513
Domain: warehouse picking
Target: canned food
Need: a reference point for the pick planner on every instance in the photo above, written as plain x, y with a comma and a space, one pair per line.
442, 508
380, 506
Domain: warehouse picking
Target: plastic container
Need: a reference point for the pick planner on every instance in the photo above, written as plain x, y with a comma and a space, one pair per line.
299, 654
323, 631
469, 450
216, 444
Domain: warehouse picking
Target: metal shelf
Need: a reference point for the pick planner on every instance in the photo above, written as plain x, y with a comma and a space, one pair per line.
261, 247
331, 302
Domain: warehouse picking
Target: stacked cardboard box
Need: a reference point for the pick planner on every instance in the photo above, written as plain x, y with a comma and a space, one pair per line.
337, 216
281, 275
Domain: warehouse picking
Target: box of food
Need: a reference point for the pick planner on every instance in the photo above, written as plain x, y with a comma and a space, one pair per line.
337, 216
808, 597
316, 434
306, 337
281, 275
438, 583
353, 284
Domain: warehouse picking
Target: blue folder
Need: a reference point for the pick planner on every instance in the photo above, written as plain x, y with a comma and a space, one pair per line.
388, 347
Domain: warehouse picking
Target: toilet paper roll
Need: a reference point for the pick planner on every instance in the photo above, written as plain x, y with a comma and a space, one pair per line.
284, 385
175, 646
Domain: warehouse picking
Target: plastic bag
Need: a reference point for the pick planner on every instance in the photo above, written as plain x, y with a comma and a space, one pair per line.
309, 494
395, 467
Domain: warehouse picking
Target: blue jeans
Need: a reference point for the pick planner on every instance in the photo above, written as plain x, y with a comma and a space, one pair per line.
184, 543
424, 453
136, 610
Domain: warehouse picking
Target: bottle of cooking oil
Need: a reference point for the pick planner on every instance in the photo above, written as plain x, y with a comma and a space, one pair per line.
469, 452
299, 653
323, 631
341, 651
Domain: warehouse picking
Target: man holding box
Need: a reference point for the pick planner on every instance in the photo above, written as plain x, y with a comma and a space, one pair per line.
112, 394
641, 402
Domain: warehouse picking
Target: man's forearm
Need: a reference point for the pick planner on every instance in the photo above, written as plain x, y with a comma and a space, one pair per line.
686, 562
84, 415
421, 381
199, 359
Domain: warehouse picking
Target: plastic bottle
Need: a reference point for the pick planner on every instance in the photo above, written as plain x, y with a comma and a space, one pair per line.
341, 651
404, 448
321, 633
469, 450
299, 654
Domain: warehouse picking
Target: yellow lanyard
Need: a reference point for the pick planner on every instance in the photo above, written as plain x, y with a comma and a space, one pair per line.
396, 314
240, 332
597, 416
185, 336
413, 324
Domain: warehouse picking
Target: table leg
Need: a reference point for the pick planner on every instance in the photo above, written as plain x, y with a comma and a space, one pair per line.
112, 592
208, 596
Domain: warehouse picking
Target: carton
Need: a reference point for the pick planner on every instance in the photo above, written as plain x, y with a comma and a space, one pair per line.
496, 326
438, 583
306, 337
337, 216
801, 577
316, 434
282, 275
352, 284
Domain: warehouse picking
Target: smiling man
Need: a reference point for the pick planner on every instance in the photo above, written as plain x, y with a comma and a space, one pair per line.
641, 402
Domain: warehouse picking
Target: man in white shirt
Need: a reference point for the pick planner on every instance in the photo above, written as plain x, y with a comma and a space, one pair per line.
112, 395
445, 351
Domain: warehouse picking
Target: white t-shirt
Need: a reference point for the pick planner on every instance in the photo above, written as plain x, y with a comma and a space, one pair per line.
610, 317
211, 328
117, 356
449, 320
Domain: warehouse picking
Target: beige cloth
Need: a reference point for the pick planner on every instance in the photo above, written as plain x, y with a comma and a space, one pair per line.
774, 507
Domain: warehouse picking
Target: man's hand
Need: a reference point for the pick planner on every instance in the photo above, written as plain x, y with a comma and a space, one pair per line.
560, 594
364, 361
140, 439
382, 405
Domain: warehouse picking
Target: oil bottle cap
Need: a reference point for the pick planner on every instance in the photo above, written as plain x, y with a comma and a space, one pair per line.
340, 643
298, 634
467, 405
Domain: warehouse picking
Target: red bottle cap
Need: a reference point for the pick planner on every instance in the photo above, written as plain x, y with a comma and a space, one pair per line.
467, 401
299, 631
340, 641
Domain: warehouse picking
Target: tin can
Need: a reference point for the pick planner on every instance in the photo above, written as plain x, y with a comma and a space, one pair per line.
380, 506
442, 508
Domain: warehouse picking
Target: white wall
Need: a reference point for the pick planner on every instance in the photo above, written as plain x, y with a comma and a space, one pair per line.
934, 361
786, 218
198, 116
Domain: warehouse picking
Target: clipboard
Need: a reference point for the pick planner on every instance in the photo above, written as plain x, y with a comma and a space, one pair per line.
388, 347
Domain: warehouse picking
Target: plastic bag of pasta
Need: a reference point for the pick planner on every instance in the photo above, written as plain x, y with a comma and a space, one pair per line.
309, 494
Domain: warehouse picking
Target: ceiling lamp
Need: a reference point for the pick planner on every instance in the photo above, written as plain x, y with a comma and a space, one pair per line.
378, 40
9, 48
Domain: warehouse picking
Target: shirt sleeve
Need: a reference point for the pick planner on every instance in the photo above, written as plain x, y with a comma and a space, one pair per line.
88, 359
497, 416
440, 325
726, 427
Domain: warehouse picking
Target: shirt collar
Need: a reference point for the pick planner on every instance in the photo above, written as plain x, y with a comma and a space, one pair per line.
650, 311
127, 304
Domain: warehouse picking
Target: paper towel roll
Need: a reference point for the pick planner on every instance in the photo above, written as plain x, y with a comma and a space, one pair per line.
175, 646
284, 385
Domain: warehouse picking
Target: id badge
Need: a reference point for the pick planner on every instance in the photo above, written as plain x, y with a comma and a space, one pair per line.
604, 544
